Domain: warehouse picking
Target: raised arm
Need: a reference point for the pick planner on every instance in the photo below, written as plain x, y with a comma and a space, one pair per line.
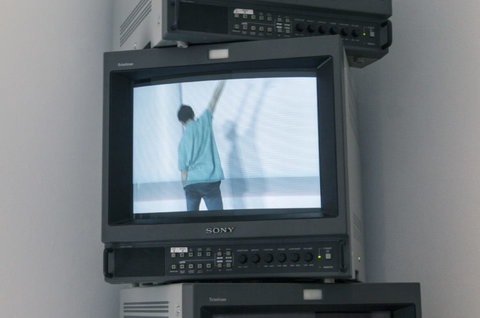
216, 96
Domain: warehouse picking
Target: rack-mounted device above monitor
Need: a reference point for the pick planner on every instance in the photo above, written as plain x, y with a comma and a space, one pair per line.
363, 25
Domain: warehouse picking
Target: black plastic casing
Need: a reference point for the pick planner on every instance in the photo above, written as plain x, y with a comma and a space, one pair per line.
140, 252
363, 25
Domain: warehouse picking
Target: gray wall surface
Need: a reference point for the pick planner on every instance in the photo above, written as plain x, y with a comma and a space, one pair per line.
419, 111
50, 163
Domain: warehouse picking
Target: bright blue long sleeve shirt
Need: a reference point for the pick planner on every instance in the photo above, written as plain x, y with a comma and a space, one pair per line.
198, 153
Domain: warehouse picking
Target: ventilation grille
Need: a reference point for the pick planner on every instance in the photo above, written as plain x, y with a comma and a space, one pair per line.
157, 309
131, 23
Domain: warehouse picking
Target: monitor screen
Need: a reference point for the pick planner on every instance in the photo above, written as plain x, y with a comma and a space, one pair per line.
243, 144
270, 315
376, 314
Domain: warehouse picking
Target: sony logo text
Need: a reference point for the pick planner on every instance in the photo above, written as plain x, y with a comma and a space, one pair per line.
219, 230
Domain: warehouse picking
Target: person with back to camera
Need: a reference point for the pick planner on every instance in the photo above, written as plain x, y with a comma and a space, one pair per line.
198, 159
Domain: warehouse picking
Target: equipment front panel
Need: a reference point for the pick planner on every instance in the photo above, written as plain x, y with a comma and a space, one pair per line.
265, 24
293, 258
364, 36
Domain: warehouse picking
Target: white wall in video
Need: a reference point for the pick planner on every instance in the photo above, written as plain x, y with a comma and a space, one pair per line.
266, 134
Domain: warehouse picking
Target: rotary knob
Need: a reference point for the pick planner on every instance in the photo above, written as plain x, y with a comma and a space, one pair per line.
300, 27
295, 257
255, 258
281, 257
308, 257
268, 258
242, 259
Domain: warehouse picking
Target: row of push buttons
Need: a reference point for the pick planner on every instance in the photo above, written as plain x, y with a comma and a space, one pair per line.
199, 266
261, 17
184, 266
201, 254
191, 254
186, 260
260, 28
264, 23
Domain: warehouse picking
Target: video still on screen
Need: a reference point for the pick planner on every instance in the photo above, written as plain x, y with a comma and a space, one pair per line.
236, 144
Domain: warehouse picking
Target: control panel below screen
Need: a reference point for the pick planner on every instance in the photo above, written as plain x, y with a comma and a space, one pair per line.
204, 260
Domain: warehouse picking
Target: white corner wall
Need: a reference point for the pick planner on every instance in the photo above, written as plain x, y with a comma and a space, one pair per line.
419, 113
50, 159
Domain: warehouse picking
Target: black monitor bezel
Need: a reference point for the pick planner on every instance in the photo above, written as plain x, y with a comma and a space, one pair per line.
120, 185
323, 55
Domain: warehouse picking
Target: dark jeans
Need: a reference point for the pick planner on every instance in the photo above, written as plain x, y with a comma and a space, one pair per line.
210, 192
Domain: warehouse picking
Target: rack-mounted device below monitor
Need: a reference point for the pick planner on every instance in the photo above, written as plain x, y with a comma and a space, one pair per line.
272, 300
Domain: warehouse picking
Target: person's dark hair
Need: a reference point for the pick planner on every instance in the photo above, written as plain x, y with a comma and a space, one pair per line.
185, 113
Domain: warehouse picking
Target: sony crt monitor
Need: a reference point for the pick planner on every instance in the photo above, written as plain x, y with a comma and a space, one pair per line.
231, 161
